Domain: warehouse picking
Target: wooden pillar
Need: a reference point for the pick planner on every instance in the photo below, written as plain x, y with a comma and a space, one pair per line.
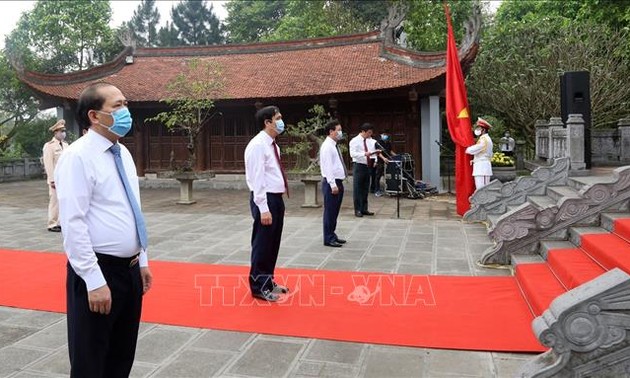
140, 149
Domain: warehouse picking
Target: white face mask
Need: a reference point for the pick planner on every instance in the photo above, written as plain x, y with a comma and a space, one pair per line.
477, 132
60, 135
339, 135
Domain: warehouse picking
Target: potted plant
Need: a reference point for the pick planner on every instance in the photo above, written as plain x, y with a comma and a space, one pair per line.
503, 168
190, 98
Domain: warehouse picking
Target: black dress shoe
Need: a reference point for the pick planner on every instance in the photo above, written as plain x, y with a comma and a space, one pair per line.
279, 289
367, 213
266, 295
341, 241
55, 229
333, 244
358, 214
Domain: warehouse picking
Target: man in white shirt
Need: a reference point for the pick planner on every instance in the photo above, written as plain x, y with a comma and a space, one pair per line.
361, 151
333, 172
104, 237
267, 181
482, 152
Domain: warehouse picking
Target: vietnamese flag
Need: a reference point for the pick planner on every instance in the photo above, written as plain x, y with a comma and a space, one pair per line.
458, 120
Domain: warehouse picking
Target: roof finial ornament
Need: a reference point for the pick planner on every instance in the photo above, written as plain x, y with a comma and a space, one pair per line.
396, 14
125, 35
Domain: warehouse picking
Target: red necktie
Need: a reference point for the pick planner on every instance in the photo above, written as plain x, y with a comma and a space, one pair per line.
370, 162
284, 175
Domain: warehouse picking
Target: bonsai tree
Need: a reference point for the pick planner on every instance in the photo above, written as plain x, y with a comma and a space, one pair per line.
305, 135
190, 98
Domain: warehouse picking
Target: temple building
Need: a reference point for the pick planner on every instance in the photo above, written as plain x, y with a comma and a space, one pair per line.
357, 78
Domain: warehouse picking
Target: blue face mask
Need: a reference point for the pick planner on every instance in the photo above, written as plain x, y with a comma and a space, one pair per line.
384, 137
122, 121
280, 126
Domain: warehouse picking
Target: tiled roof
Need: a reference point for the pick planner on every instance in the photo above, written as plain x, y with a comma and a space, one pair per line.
356, 63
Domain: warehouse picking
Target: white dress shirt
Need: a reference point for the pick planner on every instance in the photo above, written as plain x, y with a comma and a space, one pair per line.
262, 170
482, 152
357, 149
94, 211
330, 163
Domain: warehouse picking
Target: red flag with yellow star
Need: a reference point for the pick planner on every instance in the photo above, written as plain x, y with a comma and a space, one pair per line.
458, 120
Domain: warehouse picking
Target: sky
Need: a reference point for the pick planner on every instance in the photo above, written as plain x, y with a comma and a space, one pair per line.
122, 10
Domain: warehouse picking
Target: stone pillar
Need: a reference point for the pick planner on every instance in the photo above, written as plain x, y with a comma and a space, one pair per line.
575, 142
624, 134
519, 154
430, 131
541, 150
554, 124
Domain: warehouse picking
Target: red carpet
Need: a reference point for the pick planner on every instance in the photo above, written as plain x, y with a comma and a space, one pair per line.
470, 313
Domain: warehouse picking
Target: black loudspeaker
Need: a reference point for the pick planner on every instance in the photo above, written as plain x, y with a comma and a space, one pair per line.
394, 178
575, 98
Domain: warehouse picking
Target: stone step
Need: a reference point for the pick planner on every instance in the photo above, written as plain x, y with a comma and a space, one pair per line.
515, 260
573, 267
578, 183
548, 245
608, 219
541, 202
539, 285
575, 233
558, 192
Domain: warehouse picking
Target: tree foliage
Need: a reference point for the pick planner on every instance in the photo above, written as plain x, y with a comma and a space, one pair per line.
17, 104
62, 36
251, 21
190, 98
516, 74
144, 23
425, 23
196, 23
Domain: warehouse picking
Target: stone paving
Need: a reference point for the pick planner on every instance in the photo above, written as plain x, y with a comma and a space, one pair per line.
428, 238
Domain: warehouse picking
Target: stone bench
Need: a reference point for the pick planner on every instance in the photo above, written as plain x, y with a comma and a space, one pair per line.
310, 191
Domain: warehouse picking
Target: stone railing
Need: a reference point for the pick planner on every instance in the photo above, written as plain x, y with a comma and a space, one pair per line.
608, 146
20, 169
520, 230
588, 331
496, 197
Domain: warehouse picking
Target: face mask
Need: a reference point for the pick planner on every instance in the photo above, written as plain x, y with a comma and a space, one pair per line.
60, 135
122, 121
339, 135
384, 137
477, 132
280, 126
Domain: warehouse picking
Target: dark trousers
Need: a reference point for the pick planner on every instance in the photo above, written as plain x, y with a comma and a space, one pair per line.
104, 345
332, 205
374, 187
380, 171
360, 187
265, 243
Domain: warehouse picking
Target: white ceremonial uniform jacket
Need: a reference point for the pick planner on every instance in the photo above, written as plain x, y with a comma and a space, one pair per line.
51, 152
482, 152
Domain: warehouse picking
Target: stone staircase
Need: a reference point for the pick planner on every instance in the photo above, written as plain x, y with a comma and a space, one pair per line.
525, 214
568, 239
565, 265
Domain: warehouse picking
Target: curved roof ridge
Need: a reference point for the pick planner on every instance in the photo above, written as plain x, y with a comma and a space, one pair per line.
256, 47
93, 73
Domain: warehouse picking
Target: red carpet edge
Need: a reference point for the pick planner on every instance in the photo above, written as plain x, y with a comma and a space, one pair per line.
449, 312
